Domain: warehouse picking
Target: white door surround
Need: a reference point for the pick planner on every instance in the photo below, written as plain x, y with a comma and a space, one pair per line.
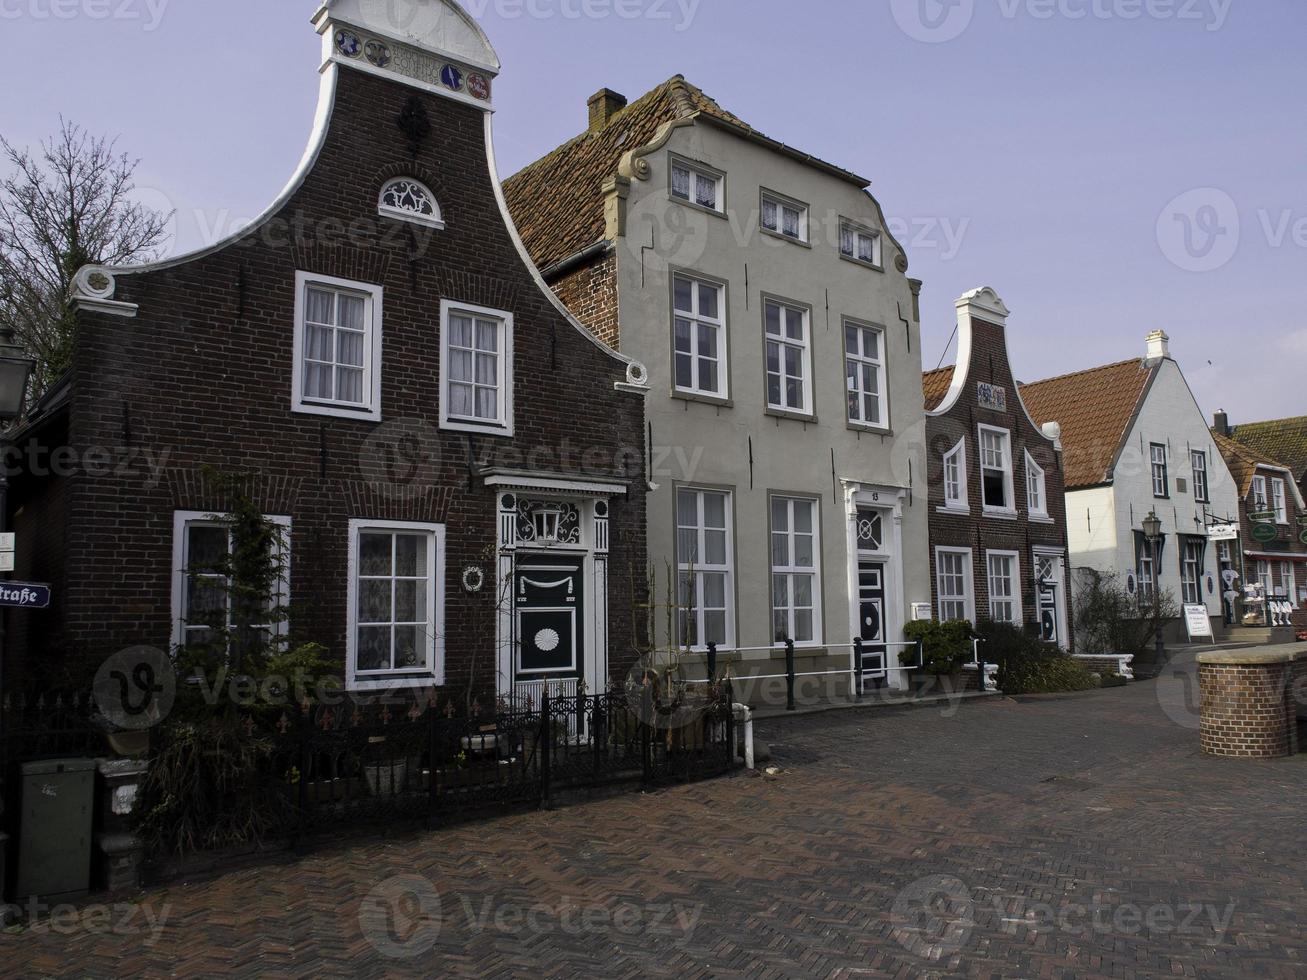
883, 544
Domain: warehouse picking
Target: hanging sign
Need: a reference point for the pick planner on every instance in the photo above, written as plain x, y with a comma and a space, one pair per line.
1223, 532
1265, 533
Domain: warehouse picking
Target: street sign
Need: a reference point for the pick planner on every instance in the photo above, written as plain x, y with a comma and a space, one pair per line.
1197, 622
1224, 532
22, 595
1265, 533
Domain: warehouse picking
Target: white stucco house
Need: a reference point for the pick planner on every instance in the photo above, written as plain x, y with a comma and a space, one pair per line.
1135, 443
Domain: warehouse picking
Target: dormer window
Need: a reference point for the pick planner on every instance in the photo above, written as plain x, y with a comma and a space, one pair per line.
698, 185
859, 244
408, 200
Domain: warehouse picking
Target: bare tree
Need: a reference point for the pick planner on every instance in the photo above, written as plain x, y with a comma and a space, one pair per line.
61, 208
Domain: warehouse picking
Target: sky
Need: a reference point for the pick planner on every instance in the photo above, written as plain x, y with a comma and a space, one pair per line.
1110, 167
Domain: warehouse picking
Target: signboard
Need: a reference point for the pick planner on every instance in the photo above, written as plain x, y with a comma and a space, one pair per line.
22, 595
992, 397
6, 561
921, 611
8, 542
1198, 622
1223, 532
1302, 535
1265, 533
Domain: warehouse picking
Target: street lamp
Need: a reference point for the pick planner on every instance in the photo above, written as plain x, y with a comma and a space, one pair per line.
15, 370
1153, 532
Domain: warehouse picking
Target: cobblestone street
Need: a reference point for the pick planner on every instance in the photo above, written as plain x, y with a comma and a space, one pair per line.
1073, 837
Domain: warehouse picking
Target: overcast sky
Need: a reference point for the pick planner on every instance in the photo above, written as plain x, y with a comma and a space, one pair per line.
1109, 166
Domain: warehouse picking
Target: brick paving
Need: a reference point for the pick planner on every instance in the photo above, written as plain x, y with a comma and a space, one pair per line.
1074, 837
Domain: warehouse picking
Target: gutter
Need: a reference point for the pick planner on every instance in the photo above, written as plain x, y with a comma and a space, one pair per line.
575, 261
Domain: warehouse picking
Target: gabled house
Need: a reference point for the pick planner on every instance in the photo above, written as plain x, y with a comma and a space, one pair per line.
763, 289
1135, 443
998, 535
456, 462
1272, 545
1284, 440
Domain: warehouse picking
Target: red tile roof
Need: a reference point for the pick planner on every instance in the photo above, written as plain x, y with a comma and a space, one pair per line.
1095, 409
1283, 439
936, 384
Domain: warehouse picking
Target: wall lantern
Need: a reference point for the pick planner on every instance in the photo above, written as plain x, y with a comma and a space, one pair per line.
548, 518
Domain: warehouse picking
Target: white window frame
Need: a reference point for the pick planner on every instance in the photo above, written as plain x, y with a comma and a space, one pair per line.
861, 360
1261, 496
697, 171
503, 425
727, 570
1036, 489
783, 342
699, 322
1279, 501
182, 521
1202, 486
1009, 492
956, 458
1147, 559
435, 220
1164, 477
434, 673
856, 231
968, 598
1014, 584
1196, 565
374, 297
782, 204
1289, 578
792, 570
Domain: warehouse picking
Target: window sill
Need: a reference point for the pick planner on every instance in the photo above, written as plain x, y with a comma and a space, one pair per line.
960, 511
482, 428
1041, 519
785, 238
391, 683
862, 262
695, 207
867, 427
691, 396
1002, 515
412, 219
339, 412
780, 413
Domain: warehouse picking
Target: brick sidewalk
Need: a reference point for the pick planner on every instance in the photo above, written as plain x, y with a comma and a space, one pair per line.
1070, 837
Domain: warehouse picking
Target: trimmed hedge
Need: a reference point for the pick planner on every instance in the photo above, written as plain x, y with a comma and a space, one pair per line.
1027, 665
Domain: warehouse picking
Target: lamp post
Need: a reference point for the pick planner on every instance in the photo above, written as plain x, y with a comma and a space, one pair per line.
1153, 532
15, 371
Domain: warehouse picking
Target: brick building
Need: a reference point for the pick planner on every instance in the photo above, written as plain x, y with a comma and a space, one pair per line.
997, 509
458, 464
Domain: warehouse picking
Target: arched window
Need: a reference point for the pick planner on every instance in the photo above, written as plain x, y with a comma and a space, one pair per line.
409, 200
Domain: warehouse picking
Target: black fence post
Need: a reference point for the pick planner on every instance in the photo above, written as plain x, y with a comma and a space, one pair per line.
433, 751
732, 745
303, 728
857, 660
712, 663
790, 704
546, 737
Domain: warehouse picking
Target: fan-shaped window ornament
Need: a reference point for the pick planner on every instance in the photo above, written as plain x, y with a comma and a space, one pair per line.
409, 200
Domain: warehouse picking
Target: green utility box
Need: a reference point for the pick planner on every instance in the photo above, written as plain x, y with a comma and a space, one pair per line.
54, 846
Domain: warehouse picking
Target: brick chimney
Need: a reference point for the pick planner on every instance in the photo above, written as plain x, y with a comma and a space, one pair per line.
604, 104
1221, 423
1159, 345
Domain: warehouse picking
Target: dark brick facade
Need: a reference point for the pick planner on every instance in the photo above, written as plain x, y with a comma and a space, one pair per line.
590, 292
974, 530
203, 375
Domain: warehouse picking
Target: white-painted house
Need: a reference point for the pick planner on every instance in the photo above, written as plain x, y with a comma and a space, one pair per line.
1136, 442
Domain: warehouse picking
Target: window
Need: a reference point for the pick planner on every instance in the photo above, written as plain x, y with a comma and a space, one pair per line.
996, 470
796, 609
396, 604
705, 566
337, 347
697, 185
1264, 579
1261, 502
476, 368
1192, 557
859, 244
201, 596
1286, 579
1278, 502
1036, 488
1161, 482
1147, 565
953, 583
700, 337
864, 371
1200, 477
955, 477
1004, 594
788, 358
784, 217
409, 200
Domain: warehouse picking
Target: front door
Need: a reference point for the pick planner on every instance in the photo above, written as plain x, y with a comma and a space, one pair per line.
548, 612
871, 618
1048, 573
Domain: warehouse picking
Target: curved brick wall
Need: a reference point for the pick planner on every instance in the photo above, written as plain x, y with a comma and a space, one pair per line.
1248, 708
